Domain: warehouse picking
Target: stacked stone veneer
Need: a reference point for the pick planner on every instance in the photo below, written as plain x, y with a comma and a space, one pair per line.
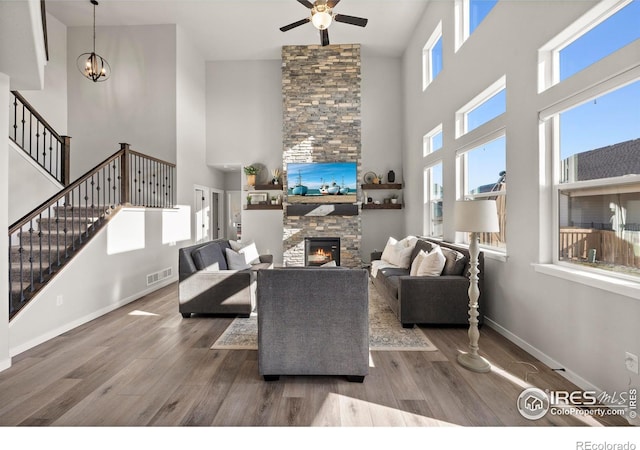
321, 107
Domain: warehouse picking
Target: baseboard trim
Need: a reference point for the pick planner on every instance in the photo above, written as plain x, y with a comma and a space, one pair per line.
540, 355
89, 317
5, 364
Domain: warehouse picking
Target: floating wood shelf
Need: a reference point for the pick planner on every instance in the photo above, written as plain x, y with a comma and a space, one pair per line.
382, 206
382, 186
257, 207
267, 187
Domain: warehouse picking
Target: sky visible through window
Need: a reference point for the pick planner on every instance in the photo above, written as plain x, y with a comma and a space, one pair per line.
488, 110
436, 59
614, 33
606, 120
436, 141
484, 164
478, 10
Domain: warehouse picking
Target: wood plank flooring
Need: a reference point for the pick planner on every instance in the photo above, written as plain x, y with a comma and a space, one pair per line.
144, 365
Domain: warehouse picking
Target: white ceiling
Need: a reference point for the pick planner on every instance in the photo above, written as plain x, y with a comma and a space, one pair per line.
247, 30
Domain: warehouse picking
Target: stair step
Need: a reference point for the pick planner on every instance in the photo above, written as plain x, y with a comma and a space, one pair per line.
80, 211
25, 272
58, 224
46, 255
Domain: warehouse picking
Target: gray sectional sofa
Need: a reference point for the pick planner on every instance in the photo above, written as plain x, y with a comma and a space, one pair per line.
431, 300
208, 286
313, 321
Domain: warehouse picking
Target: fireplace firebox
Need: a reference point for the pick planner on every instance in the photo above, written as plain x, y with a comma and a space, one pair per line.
321, 250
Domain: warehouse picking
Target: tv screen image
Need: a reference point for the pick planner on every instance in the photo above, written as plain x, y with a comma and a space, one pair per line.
323, 182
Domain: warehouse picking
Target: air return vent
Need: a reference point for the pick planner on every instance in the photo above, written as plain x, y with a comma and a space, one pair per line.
156, 277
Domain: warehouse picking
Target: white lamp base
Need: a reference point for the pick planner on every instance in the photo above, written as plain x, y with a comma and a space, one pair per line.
474, 362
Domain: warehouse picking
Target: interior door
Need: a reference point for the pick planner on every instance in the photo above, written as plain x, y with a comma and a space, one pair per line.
202, 214
215, 215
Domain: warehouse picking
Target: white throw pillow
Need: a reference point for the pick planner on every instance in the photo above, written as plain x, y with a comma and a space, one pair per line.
250, 253
235, 260
432, 264
416, 262
235, 245
388, 254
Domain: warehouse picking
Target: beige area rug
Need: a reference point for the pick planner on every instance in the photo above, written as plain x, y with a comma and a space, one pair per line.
385, 331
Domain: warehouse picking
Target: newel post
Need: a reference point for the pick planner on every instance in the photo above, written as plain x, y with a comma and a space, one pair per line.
65, 164
125, 193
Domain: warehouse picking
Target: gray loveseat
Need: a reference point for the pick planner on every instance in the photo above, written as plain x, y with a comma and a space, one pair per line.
207, 286
313, 321
432, 300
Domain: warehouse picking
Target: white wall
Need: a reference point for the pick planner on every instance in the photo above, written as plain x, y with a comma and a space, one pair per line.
30, 180
136, 105
51, 101
381, 145
110, 272
567, 324
5, 360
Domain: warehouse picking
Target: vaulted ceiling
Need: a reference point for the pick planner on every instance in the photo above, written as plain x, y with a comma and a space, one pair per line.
246, 30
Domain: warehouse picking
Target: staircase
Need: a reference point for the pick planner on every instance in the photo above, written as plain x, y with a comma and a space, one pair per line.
47, 238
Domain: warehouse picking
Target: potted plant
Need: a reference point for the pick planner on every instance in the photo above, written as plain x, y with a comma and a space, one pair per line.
394, 198
274, 200
276, 176
251, 172
248, 199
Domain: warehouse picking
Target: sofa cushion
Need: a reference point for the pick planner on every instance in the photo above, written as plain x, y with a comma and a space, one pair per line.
455, 262
209, 257
235, 260
423, 245
432, 264
380, 264
390, 277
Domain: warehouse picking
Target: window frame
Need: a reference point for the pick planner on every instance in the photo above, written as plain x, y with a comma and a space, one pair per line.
549, 54
427, 57
429, 200
462, 181
462, 18
427, 141
462, 114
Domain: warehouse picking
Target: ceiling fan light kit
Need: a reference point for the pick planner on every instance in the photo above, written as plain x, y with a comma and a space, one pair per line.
322, 16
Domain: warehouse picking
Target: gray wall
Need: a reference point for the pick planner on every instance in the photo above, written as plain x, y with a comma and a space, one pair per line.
136, 105
566, 324
5, 360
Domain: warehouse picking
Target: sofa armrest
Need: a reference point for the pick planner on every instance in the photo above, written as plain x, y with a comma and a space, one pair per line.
376, 256
266, 259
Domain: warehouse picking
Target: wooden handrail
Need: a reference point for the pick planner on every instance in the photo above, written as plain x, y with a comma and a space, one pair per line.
43, 13
37, 115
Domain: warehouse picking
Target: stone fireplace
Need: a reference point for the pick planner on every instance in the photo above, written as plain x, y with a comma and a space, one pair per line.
321, 123
320, 251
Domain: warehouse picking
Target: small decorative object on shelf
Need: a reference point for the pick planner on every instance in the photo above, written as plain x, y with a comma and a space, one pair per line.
380, 179
251, 172
394, 198
248, 199
391, 177
275, 176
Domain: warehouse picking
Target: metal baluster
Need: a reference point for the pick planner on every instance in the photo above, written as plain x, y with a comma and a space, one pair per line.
44, 147
31, 254
40, 246
23, 121
21, 253
30, 133
15, 118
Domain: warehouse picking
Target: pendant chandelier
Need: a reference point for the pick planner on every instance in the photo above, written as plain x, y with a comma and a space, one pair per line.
92, 65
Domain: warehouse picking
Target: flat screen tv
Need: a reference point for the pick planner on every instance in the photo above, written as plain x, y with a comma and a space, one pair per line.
322, 182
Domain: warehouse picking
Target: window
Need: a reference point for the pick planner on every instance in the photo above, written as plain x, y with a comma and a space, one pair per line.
432, 141
468, 16
433, 201
432, 57
598, 181
482, 175
488, 105
606, 28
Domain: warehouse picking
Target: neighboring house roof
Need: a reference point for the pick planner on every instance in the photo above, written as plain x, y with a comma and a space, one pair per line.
611, 161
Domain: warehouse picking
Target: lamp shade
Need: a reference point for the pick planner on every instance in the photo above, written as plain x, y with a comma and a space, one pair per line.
321, 20
476, 216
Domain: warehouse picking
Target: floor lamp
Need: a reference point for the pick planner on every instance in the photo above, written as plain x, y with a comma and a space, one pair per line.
480, 216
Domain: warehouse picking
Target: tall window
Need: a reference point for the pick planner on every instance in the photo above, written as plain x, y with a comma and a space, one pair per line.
482, 174
432, 141
433, 201
432, 57
468, 16
486, 106
598, 181
609, 26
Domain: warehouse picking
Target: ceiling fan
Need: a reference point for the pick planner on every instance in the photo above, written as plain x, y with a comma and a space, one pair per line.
321, 17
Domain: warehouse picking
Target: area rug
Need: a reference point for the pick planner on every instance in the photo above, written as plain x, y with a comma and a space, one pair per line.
385, 331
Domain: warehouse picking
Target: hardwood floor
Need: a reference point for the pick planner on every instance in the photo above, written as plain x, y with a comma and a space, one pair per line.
144, 365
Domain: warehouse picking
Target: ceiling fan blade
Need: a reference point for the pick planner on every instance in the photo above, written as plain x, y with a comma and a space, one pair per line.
306, 3
351, 20
324, 37
295, 24
332, 3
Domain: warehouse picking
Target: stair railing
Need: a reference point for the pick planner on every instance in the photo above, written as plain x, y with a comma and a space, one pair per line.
47, 238
31, 132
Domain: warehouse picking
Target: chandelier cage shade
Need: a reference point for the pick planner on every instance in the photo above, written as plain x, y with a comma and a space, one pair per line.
91, 65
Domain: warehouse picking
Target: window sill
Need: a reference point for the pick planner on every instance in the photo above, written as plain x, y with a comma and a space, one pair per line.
611, 284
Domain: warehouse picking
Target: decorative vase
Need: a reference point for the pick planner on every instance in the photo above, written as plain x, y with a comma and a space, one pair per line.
391, 176
251, 180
